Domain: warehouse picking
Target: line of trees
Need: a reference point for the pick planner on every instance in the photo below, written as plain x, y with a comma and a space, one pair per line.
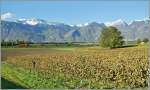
12, 43
145, 40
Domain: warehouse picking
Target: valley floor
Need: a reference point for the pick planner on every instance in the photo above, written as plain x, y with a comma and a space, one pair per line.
78, 67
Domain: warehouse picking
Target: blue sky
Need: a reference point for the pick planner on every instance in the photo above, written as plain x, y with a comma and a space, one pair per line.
76, 12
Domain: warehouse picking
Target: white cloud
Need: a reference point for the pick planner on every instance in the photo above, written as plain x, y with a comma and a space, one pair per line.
6, 16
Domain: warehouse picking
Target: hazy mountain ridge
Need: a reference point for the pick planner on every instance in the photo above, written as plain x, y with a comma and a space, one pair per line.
37, 30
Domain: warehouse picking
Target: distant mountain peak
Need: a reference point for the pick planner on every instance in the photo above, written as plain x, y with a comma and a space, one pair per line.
96, 23
145, 20
81, 25
137, 22
116, 23
88, 24
93, 23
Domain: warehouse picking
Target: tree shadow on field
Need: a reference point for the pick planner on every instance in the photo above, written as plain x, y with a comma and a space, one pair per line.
6, 84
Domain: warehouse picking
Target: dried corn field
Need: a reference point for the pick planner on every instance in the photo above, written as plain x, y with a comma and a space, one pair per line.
99, 68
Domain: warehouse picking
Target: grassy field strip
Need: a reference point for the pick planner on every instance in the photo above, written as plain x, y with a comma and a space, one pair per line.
31, 79
10, 74
11, 52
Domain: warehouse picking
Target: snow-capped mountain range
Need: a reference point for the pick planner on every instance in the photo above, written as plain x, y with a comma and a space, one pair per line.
31, 21
118, 22
38, 30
